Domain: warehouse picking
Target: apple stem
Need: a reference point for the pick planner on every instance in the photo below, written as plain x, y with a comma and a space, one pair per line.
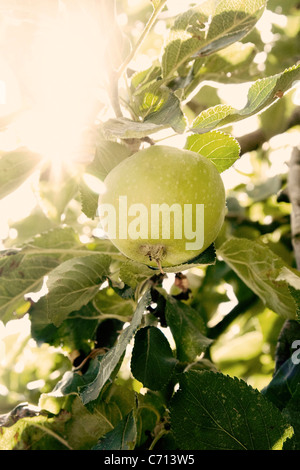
154, 252
159, 266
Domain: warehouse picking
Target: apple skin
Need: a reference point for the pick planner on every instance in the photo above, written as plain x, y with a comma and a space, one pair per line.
162, 174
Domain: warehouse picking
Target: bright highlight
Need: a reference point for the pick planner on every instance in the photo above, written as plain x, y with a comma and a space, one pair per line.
66, 74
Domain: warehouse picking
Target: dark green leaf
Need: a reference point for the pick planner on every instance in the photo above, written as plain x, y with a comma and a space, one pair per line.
73, 334
284, 383
152, 361
110, 360
212, 411
208, 256
122, 437
187, 328
149, 413
292, 413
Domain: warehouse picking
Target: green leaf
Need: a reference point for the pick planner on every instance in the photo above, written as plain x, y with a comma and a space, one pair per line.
295, 293
122, 437
124, 128
65, 423
262, 93
108, 363
207, 256
265, 189
133, 273
142, 80
208, 28
222, 149
73, 284
37, 222
168, 113
89, 201
8, 419
112, 305
150, 411
15, 167
157, 104
288, 7
292, 414
212, 411
22, 272
263, 272
216, 116
234, 64
54, 203
74, 333
108, 155
152, 361
231, 22
187, 328
229, 65
36, 433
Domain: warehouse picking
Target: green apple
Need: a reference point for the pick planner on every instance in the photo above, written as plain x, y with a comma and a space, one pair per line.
163, 206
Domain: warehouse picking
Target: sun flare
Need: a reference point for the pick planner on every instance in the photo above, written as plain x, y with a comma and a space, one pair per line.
66, 73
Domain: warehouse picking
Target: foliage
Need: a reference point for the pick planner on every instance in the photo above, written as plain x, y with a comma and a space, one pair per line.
123, 356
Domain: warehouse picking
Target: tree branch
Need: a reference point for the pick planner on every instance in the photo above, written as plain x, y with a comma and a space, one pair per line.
291, 328
256, 139
215, 331
252, 141
294, 197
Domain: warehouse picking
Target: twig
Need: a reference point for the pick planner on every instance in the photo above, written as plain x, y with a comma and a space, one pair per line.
143, 36
114, 95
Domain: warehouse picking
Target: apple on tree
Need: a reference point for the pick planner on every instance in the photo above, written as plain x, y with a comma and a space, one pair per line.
163, 206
